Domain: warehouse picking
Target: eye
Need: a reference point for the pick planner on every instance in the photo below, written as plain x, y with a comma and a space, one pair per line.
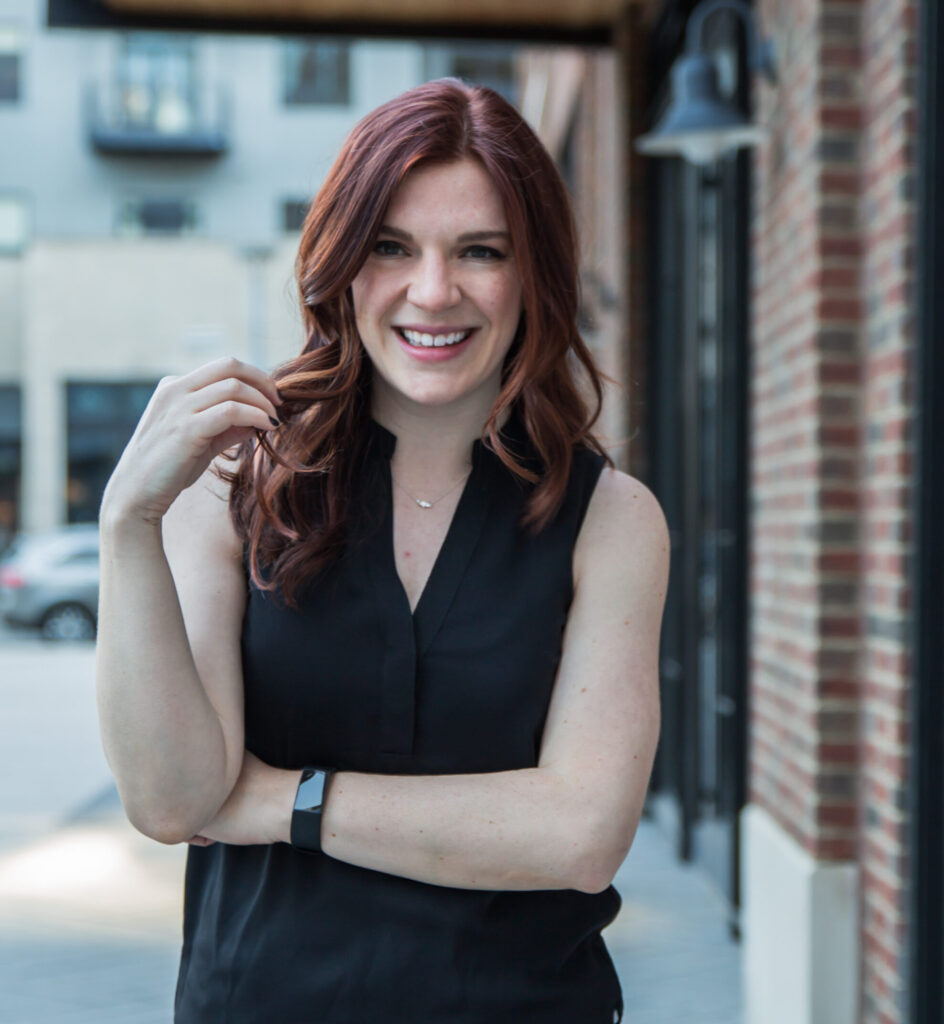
387, 247
483, 252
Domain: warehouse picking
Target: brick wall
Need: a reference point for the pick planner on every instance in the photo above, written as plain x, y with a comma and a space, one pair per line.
888, 172
831, 453
805, 433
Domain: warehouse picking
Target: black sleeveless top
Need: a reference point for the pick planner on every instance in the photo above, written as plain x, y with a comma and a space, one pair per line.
353, 680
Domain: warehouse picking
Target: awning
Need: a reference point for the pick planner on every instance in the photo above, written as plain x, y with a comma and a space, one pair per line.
573, 21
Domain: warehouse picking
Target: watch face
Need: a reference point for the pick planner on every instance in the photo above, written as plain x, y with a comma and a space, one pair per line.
310, 790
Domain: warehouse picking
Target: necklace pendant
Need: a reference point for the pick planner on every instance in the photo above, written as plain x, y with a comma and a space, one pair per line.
423, 504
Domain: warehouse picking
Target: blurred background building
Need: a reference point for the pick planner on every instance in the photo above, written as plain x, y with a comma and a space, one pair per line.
771, 319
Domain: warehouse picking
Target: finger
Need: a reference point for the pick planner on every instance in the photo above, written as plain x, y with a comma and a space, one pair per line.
232, 438
200, 841
225, 415
230, 366
233, 389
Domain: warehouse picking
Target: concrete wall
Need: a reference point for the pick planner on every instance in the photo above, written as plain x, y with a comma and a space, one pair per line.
799, 930
11, 318
137, 310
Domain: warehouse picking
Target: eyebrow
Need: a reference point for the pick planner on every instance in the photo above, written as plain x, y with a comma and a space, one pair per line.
469, 236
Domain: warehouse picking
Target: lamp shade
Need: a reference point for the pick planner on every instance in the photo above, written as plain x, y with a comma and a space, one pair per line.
699, 124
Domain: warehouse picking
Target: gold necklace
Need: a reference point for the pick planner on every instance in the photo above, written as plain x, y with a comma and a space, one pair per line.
422, 502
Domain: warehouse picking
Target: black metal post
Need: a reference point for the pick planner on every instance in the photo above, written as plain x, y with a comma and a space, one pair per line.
926, 777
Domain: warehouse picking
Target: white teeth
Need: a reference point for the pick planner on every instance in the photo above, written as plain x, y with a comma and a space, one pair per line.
434, 340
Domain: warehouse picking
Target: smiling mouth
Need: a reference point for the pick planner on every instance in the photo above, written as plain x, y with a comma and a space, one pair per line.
419, 339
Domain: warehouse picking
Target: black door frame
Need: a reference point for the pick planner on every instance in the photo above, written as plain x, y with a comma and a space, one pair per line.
926, 775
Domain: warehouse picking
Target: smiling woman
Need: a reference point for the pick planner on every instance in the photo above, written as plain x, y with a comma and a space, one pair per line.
382, 171
393, 675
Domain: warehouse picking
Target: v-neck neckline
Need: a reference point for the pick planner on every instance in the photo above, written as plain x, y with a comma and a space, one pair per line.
454, 552
457, 514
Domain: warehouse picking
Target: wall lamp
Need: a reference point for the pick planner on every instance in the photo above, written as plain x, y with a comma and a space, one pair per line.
699, 124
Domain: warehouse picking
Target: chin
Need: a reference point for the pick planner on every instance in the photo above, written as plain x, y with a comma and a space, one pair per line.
434, 398
435, 392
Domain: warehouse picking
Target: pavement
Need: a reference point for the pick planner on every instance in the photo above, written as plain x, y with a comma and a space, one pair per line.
670, 943
90, 910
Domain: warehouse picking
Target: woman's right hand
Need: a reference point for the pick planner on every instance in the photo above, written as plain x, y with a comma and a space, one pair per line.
187, 423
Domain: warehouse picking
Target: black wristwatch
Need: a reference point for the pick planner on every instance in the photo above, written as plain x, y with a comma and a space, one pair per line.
309, 801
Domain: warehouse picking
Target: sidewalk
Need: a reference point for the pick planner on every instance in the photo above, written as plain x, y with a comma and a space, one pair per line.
90, 925
676, 961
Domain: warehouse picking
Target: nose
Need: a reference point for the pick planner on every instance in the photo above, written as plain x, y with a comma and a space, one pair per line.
432, 286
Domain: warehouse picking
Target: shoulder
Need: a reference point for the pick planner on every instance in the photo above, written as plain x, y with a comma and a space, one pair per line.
620, 500
624, 530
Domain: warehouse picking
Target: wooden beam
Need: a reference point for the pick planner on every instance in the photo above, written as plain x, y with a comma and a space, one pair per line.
581, 22
560, 13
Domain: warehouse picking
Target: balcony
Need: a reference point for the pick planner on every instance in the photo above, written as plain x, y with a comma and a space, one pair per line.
145, 119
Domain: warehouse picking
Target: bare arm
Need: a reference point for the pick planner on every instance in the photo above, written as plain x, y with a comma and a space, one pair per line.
170, 706
567, 823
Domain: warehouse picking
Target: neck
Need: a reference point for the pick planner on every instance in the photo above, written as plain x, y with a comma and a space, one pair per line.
434, 443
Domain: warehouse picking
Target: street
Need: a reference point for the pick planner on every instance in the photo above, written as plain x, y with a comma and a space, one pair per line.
89, 909
51, 762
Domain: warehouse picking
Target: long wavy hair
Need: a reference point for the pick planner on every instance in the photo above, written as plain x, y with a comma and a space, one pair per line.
291, 490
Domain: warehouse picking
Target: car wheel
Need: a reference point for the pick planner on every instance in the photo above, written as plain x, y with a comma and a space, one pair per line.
68, 622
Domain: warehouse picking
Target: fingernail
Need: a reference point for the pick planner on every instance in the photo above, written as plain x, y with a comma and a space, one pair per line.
278, 391
273, 421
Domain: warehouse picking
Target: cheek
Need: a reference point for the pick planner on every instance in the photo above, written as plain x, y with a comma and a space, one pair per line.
359, 292
371, 293
503, 301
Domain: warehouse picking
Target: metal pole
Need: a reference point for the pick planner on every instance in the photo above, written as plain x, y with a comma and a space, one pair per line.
926, 775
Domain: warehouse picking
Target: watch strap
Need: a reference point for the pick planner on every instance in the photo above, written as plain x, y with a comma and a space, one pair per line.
309, 801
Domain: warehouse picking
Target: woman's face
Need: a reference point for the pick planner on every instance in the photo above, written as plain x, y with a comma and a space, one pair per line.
439, 299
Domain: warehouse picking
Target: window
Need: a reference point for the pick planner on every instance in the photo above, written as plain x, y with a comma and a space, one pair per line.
156, 217
315, 73
12, 224
157, 84
294, 212
100, 419
11, 441
11, 48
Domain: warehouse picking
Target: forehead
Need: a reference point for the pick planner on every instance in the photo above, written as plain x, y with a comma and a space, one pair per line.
460, 194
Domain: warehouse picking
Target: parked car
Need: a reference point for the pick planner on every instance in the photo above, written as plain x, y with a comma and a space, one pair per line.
49, 580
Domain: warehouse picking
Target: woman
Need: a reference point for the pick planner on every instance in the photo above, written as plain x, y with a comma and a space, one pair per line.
452, 603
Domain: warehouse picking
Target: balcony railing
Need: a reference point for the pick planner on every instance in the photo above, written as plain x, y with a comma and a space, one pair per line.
130, 119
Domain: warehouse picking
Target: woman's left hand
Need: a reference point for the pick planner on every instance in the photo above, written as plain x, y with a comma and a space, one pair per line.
258, 811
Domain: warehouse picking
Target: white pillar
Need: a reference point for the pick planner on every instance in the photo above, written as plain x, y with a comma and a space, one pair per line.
800, 929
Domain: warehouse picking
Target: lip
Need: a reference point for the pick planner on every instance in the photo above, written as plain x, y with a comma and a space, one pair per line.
433, 355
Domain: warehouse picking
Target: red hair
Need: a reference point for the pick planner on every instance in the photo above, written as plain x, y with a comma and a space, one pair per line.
290, 491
